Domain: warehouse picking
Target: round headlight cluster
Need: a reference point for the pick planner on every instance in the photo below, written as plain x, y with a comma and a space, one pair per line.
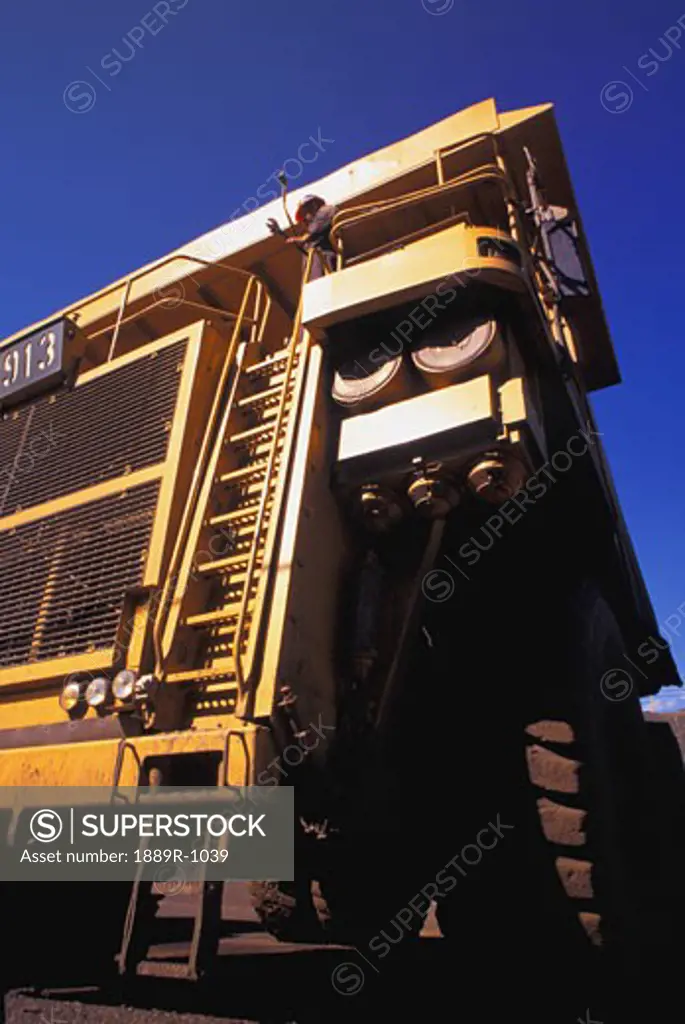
98, 692
71, 696
497, 478
124, 685
127, 690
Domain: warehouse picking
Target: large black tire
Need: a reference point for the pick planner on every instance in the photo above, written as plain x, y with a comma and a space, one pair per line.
589, 763
584, 870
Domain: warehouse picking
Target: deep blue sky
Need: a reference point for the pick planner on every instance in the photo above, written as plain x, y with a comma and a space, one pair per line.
217, 99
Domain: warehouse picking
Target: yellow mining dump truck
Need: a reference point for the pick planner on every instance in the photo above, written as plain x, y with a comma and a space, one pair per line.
345, 524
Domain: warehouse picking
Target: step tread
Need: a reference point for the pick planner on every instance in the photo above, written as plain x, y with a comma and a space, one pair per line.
225, 565
241, 558
231, 611
218, 671
253, 469
236, 515
265, 364
246, 435
268, 395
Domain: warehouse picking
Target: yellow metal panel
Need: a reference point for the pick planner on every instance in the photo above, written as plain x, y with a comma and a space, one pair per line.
517, 408
193, 333
78, 764
513, 401
92, 764
55, 669
511, 118
82, 497
294, 523
195, 388
158, 537
419, 417
411, 272
18, 710
304, 618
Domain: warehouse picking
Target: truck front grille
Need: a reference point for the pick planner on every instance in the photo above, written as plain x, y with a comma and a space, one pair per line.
64, 577
107, 427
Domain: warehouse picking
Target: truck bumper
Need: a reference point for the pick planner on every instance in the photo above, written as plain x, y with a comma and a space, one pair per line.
243, 749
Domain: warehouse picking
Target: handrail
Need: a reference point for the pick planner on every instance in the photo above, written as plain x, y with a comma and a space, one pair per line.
483, 172
208, 441
128, 282
212, 310
414, 236
124, 745
342, 220
227, 751
259, 522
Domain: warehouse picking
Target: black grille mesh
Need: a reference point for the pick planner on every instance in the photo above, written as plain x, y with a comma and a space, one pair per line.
64, 578
114, 424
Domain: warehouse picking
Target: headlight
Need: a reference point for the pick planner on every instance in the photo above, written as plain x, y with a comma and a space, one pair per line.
459, 351
147, 688
71, 696
124, 685
97, 692
496, 478
372, 378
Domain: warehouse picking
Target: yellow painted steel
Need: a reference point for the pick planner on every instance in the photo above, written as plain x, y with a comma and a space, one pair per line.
52, 671
82, 497
459, 405
204, 348
413, 271
93, 764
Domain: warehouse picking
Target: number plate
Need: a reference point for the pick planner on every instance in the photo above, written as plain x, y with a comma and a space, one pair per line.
34, 363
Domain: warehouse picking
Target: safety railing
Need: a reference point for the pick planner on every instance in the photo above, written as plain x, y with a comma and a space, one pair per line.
364, 213
127, 286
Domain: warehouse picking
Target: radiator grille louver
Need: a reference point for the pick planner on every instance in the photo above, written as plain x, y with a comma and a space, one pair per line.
115, 424
64, 578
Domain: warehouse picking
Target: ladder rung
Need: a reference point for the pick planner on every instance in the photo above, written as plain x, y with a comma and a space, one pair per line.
263, 449
237, 515
247, 435
260, 448
231, 562
270, 395
224, 565
275, 379
252, 490
202, 675
236, 475
241, 533
164, 969
266, 364
268, 412
231, 611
